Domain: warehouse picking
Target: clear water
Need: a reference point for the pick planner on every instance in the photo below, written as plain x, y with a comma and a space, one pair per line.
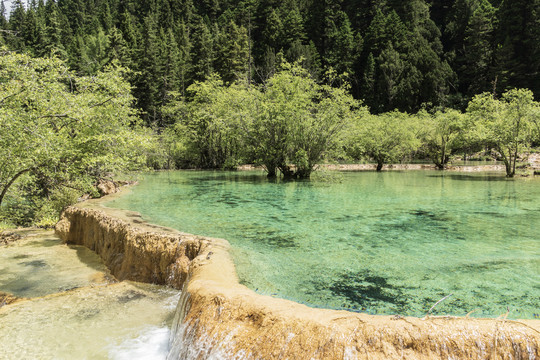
75, 312
385, 243
40, 266
119, 321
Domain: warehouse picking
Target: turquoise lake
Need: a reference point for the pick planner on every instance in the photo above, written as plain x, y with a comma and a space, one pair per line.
381, 243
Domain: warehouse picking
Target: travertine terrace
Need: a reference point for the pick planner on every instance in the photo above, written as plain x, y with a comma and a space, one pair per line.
219, 318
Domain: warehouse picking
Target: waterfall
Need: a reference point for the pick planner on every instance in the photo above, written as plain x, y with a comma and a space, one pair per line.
186, 342
177, 328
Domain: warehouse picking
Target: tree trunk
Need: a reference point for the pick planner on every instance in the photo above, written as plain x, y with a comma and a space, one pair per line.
508, 166
514, 162
287, 172
379, 165
271, 172
8, 185
303, 173
439, 165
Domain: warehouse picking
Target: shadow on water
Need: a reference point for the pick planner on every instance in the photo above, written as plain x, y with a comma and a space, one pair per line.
493, 265
416, 220
88, 258
45, 243
241, 177
232, 177
432, 216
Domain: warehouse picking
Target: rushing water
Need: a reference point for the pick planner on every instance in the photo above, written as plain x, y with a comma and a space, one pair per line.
84, 313
387, 243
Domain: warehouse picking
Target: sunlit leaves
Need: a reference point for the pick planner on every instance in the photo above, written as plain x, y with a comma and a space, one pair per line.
507, 124
62, 126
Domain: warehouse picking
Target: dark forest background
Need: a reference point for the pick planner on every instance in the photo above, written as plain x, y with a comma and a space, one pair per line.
395, 54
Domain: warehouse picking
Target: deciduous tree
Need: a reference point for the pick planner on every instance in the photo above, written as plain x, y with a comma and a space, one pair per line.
61, 126
506, 125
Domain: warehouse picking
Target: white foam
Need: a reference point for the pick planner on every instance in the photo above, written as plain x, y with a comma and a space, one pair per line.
152, 343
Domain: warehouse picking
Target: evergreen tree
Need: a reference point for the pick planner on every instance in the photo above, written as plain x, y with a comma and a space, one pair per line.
368, 81
232, 52
3, 18
391, 69
202, 51
184, 59
56, 32
478, 45
118, 47
95, 52
518, 27
170, 67
341, 50
17, 19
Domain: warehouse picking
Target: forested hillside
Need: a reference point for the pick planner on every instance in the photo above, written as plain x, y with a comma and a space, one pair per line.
403, 55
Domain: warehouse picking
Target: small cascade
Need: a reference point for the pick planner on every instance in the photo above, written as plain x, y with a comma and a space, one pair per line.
175, 336
73, 307
186, 342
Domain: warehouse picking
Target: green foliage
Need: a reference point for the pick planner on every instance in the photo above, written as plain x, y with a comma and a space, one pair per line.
49, 208
441, 134
507, 125
63, 129
212, 82
207, 124
384, 138
403, 55
297, 122
288, 125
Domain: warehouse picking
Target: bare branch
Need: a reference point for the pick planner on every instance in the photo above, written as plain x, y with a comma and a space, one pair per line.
437, 303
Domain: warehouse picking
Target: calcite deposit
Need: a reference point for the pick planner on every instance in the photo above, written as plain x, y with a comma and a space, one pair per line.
218, 318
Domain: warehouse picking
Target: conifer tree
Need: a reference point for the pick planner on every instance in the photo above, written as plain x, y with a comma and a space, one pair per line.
17, 19
478, 45
232, 52
518, 27
202, 51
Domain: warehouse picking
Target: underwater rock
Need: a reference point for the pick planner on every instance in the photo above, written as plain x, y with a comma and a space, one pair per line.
7, 237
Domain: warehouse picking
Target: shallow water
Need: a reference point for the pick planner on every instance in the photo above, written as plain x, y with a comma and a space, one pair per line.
117, 321
386, 243
42, 265
96, 319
